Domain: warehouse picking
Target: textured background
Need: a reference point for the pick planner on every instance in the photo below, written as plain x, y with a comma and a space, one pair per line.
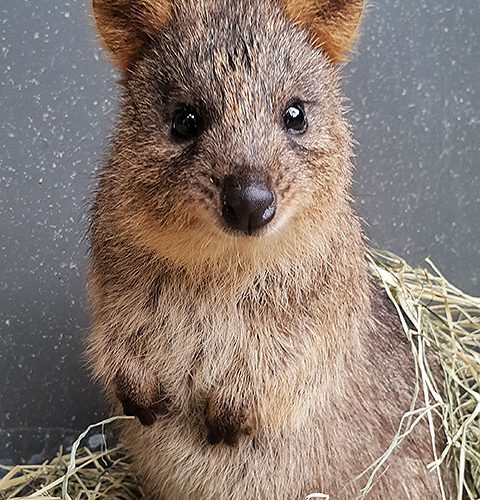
415, 98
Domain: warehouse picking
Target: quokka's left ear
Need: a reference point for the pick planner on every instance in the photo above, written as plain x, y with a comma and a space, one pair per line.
333, 24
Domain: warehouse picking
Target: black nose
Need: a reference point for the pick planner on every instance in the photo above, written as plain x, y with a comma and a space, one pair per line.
247, 208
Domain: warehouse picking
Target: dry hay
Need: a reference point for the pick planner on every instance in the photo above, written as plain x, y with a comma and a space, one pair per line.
78, 475
437, 317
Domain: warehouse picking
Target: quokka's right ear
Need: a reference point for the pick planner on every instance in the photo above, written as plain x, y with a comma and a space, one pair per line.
125, 25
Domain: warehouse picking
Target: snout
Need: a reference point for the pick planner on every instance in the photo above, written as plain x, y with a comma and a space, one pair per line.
247, 206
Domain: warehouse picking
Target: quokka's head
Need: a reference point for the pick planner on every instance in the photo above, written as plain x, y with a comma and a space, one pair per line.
232, 130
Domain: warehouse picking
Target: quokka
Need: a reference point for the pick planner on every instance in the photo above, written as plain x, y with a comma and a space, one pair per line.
233, 312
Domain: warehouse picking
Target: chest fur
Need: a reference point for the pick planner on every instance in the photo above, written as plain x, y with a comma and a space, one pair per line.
277, 342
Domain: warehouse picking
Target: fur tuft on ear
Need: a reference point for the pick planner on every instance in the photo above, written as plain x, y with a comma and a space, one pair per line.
124, 25
332, 23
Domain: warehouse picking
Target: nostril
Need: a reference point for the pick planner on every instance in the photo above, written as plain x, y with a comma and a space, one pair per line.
247, 208
269, 213
229, 213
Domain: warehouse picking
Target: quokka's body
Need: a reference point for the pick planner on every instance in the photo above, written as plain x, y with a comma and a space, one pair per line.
233, 313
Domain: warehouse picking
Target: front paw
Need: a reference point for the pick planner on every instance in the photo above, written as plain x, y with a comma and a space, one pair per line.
143, 405
227, 425
146, 415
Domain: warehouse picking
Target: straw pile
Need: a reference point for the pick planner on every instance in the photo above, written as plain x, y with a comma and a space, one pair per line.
78, 475
437, 317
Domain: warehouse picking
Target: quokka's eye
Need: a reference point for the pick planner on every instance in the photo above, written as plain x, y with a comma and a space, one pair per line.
294, 118
185, 123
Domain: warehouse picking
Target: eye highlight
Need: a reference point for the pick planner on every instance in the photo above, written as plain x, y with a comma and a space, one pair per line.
294, 118
185, 123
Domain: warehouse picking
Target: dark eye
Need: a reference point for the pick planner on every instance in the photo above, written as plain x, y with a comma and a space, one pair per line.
185, 123
294, 118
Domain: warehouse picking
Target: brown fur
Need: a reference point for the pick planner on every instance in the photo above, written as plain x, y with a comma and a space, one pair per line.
261, 367
125, 25
333, 23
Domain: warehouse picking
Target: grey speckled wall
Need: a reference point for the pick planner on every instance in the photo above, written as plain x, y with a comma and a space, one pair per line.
415, 96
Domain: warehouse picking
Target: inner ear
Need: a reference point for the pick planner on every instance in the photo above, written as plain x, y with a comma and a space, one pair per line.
333, 24
125, 25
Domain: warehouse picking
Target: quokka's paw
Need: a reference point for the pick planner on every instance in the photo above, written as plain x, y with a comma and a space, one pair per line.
136, 403
146, 415
227, 425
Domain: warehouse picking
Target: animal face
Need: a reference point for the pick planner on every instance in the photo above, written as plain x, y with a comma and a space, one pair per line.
232, 126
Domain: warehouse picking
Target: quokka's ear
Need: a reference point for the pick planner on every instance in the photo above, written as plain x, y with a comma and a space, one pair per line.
124, 25
332, 23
